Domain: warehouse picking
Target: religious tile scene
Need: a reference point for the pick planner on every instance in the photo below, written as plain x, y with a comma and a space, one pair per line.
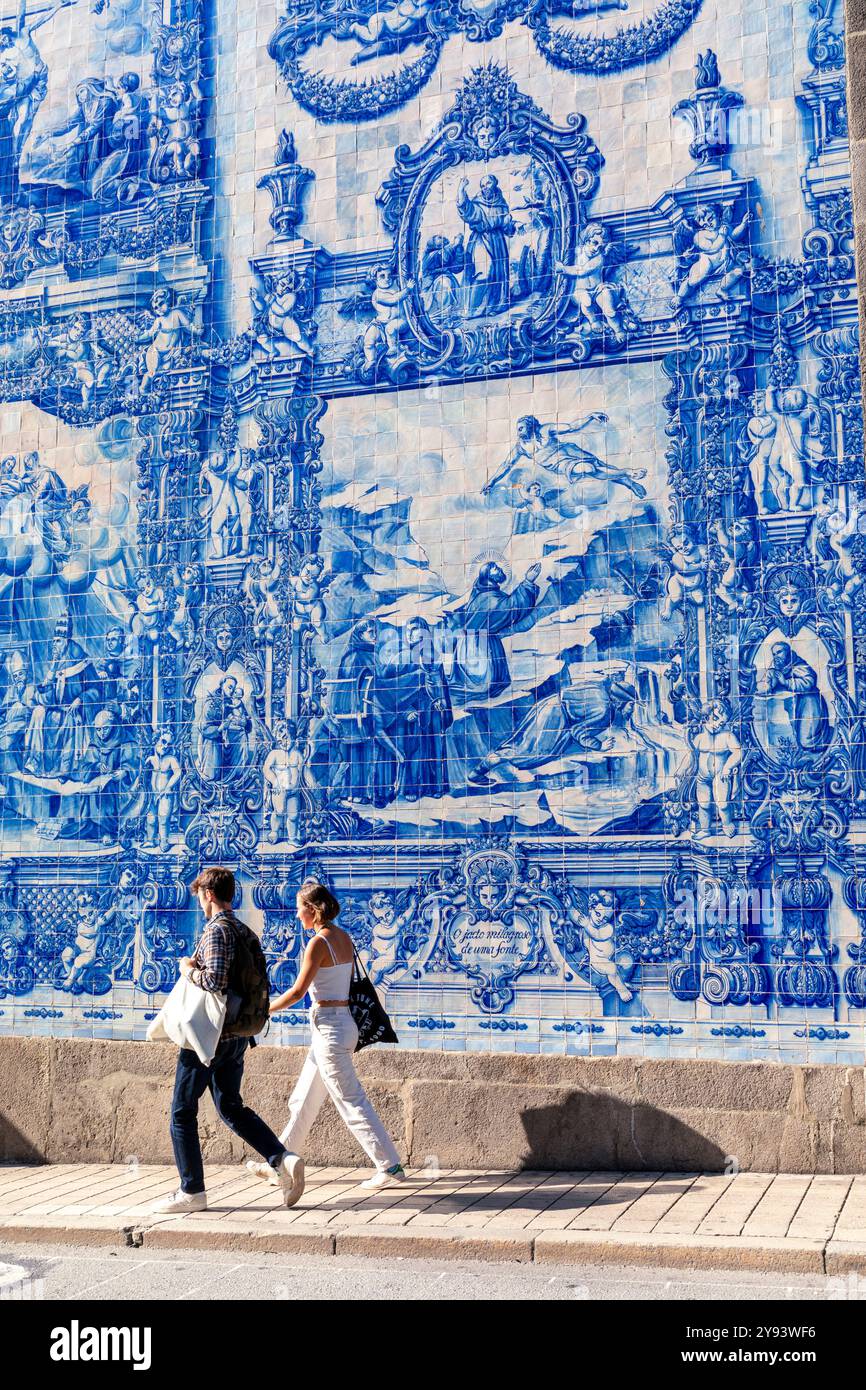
431, 459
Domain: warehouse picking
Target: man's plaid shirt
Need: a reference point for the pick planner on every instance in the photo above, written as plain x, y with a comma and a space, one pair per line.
213, 956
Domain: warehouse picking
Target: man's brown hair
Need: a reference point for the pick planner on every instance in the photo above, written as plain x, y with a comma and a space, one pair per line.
220, 882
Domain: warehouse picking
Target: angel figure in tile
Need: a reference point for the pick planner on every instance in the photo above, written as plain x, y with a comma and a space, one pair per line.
172, 326
261, 583
596, 921
387, 30
719, 755
281, 316
711, 252
600, 305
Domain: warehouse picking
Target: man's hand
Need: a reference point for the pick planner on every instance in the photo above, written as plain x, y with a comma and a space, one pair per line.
184, 965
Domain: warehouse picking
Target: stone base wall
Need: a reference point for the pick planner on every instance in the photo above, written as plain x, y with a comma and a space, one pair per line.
75, 1101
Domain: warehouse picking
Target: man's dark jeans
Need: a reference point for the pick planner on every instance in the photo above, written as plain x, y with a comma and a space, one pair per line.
223, 1079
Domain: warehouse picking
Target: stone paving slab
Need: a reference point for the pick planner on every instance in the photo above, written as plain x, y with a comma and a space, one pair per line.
818, 1213
851, 1223
729, 1214
762, 1221
686, 1215
776, 1209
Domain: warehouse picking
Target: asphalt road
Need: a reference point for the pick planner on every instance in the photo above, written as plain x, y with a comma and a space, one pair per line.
66, 1272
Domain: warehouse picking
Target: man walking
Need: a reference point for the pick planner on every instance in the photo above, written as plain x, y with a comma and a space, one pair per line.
211, 968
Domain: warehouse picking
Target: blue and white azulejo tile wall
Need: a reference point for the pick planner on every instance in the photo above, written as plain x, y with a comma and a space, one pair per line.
432, 459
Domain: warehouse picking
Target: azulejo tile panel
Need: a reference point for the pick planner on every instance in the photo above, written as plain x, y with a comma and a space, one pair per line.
432, 459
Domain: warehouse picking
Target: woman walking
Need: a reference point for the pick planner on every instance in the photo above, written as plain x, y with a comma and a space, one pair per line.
326, 972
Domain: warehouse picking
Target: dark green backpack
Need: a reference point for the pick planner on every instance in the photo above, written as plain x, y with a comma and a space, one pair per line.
249, 991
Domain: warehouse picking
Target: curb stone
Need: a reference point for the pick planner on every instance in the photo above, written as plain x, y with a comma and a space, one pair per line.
47, 1230
263, 1239
504, 1246
709, 1252
454, 1244
846, 1257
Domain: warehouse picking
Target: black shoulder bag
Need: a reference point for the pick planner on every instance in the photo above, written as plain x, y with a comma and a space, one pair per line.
365, 1006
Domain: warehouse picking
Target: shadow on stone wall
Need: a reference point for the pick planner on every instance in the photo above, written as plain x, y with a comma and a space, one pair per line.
587, 1131
15, 1147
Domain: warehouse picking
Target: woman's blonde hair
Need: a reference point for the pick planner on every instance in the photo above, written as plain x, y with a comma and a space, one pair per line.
320, 899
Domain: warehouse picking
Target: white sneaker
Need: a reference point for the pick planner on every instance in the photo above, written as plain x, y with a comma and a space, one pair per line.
180, 1202
290, 1176
263, 1171
383, 1177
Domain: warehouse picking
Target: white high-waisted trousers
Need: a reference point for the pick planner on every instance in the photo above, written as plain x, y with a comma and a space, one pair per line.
329, 1070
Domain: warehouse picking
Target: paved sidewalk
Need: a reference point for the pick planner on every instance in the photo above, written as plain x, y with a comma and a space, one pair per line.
784, 1222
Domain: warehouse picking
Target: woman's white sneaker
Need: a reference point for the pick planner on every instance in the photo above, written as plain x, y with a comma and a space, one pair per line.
290, 1176
263, 1171
180, 1202
383, 1177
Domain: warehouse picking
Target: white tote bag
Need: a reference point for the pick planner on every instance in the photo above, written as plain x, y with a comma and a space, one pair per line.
191, 1017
